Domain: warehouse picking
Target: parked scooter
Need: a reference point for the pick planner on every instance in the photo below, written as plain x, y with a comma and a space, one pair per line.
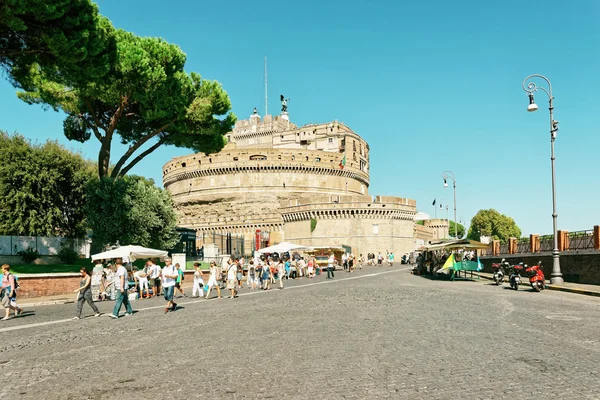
515, 276
536, 277
499, 271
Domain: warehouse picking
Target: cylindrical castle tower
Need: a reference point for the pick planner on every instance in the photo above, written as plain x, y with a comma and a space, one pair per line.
240, 189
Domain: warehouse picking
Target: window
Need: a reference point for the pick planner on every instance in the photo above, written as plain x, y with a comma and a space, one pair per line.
375, 229
318, 159
235, 159
183, 164
330, 140
258, 157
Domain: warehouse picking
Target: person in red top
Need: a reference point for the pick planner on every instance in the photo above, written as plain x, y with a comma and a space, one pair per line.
8, 292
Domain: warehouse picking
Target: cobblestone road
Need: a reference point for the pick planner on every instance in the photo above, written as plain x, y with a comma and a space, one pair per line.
376, 333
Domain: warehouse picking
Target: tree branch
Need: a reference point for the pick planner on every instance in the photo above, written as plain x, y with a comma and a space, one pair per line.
141, 156
134, 147
91, 110
104, 154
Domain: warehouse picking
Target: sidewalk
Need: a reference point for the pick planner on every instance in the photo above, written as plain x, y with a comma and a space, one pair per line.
63, 298
578, 288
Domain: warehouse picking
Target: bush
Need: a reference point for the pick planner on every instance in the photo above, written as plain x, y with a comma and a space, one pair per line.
28, 256
68, 255
313, 224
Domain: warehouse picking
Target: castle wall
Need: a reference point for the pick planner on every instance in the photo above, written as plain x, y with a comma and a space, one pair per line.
439, 227
367, 226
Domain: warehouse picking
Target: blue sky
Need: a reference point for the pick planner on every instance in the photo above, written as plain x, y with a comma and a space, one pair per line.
431, 85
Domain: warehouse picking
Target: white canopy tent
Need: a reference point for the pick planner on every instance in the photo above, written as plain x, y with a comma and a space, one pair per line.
283, 247
130, 253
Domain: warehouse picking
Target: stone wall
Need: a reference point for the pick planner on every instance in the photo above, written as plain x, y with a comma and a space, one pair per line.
41, 285
583, 267
368, 225
38, 285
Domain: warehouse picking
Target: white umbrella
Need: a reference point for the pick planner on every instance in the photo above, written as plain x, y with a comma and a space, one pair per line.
283, 247
130, 253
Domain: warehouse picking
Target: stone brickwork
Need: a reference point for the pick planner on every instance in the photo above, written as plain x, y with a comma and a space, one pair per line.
270, 165
39, 285
368, 225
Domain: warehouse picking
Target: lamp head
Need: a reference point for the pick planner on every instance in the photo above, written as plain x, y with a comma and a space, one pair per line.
532, 106
445, 183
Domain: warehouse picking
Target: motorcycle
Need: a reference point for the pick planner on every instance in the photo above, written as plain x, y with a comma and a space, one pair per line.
536, 277
515, 276
499, 271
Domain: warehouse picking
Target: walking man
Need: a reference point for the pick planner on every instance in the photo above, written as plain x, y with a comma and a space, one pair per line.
169, 274
231, 278
154, 281
121, 285
330, 266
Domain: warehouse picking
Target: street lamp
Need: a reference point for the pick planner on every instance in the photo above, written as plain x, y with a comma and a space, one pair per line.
445, 176
531, 88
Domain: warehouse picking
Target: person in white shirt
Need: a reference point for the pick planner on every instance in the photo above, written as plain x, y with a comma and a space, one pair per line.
142, 278
198, 281
280, 273
169, 276
330, 267
231, 278
121, 286
213, 280
154, 281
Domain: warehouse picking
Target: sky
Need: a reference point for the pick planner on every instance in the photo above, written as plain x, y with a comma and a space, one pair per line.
431, 85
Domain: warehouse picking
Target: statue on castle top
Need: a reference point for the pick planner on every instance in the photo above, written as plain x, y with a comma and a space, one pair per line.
284, 104
255, 112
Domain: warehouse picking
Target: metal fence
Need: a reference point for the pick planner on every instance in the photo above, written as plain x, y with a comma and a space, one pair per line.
581, 240
523, 247
546, 243
578, 240
45, 246
227, 244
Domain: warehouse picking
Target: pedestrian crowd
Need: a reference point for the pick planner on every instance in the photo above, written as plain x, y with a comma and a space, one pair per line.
115, 282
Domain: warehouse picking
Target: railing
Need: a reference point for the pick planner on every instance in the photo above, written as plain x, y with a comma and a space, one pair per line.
523, 247
581, 240
567, 241
546, 243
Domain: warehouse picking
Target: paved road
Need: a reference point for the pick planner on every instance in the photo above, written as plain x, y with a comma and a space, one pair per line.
377, 333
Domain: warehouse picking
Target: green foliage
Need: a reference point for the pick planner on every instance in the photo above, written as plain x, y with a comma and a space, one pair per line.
28, 256
459, 227
68, 41
492, 223
131, 210
67, 255
421, 222
42, 188
313, 224
145, 98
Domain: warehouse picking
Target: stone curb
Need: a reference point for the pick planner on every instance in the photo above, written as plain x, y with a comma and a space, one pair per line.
560, 288
46, 303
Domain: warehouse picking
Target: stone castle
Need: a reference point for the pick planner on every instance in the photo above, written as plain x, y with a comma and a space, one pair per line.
307, 185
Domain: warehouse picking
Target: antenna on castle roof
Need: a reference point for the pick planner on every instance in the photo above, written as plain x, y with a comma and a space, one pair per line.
266, 90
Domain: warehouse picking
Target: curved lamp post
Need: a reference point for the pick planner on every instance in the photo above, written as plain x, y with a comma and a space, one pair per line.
445, 176
530, 87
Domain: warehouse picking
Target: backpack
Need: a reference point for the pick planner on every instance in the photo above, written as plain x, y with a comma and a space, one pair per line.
17, 286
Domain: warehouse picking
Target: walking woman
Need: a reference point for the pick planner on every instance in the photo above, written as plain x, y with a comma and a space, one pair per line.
8, 294
266, 275
85, 293
197, 290
213, 280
